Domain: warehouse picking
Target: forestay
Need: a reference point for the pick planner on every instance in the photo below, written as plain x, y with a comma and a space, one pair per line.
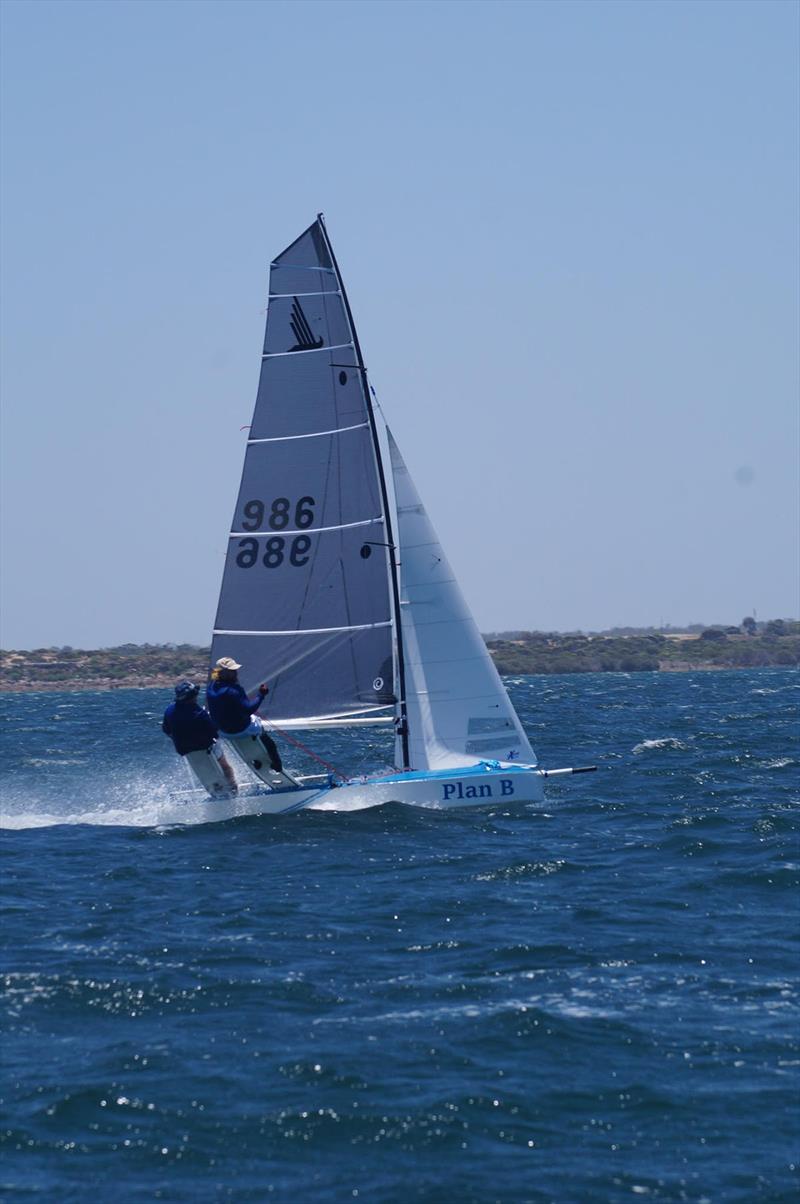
458, 710
305, 600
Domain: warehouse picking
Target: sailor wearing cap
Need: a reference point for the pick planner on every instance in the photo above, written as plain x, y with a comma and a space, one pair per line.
193, 730
233, 712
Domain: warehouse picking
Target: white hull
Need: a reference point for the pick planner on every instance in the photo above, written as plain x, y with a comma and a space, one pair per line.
462, 788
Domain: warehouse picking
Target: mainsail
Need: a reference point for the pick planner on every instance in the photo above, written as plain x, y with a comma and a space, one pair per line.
458, 710
306, 598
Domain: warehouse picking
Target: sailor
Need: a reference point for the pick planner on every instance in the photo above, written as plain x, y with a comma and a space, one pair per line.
233, 712
193, 730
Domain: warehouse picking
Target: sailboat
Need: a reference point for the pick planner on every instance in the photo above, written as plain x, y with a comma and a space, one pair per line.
336, 589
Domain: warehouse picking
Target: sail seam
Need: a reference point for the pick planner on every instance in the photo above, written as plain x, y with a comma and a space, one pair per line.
304, 630
311, 434
430, 584
271, 355
362, 522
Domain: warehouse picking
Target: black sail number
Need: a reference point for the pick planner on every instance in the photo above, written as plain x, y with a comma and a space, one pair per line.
253, 515
248, 553
274, 554
303, 512
280, 513
300, 546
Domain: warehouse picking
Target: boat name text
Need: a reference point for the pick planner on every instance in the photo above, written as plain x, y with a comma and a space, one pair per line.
482, 790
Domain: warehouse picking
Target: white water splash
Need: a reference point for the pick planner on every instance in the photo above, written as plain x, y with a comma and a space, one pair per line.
655, 745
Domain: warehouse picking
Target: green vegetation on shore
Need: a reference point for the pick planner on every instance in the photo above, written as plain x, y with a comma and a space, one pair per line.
778, 643
137, 665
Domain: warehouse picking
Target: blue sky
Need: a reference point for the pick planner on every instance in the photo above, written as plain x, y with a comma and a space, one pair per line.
569, 236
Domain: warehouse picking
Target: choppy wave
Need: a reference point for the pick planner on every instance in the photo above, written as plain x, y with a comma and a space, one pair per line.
656, 745
592, 1000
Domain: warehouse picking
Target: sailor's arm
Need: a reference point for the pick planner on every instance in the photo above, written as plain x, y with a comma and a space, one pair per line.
208, 725
256, 702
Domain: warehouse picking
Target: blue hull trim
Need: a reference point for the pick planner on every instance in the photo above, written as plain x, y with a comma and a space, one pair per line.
461, 771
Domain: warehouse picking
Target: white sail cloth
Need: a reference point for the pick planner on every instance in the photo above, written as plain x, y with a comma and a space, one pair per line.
458, 710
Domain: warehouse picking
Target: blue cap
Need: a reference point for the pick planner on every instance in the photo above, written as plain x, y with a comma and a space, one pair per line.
186, 689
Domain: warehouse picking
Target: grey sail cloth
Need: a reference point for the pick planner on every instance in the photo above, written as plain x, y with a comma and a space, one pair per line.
305, 602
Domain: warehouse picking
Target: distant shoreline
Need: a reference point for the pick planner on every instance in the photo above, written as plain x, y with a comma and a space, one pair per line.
50, 687
159, 666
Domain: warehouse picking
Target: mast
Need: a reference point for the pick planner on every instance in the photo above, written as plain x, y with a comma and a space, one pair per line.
393, 573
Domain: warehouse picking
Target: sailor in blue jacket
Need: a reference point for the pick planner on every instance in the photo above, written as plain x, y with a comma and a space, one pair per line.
233, 712
192, 729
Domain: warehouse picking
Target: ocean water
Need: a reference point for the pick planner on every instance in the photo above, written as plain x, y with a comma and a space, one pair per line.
590, 999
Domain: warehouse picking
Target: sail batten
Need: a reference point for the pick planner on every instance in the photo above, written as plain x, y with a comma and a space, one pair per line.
301, 630
271, 355
326, 293
301, 267
338, 430
363, 522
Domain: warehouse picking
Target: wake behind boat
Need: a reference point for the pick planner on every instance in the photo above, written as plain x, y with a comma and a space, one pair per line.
336, 588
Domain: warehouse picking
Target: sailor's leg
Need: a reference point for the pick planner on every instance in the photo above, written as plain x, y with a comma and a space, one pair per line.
272, 751
218, 754
227, 769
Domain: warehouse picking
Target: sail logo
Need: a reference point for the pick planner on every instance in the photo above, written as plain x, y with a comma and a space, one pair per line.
301, 330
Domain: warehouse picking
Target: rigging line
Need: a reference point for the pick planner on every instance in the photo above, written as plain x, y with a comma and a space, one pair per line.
304, 747
363, 522
311, 434
271, 355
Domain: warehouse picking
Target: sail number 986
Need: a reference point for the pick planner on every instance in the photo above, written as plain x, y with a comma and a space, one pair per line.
278, 519
280, 512
274, 552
